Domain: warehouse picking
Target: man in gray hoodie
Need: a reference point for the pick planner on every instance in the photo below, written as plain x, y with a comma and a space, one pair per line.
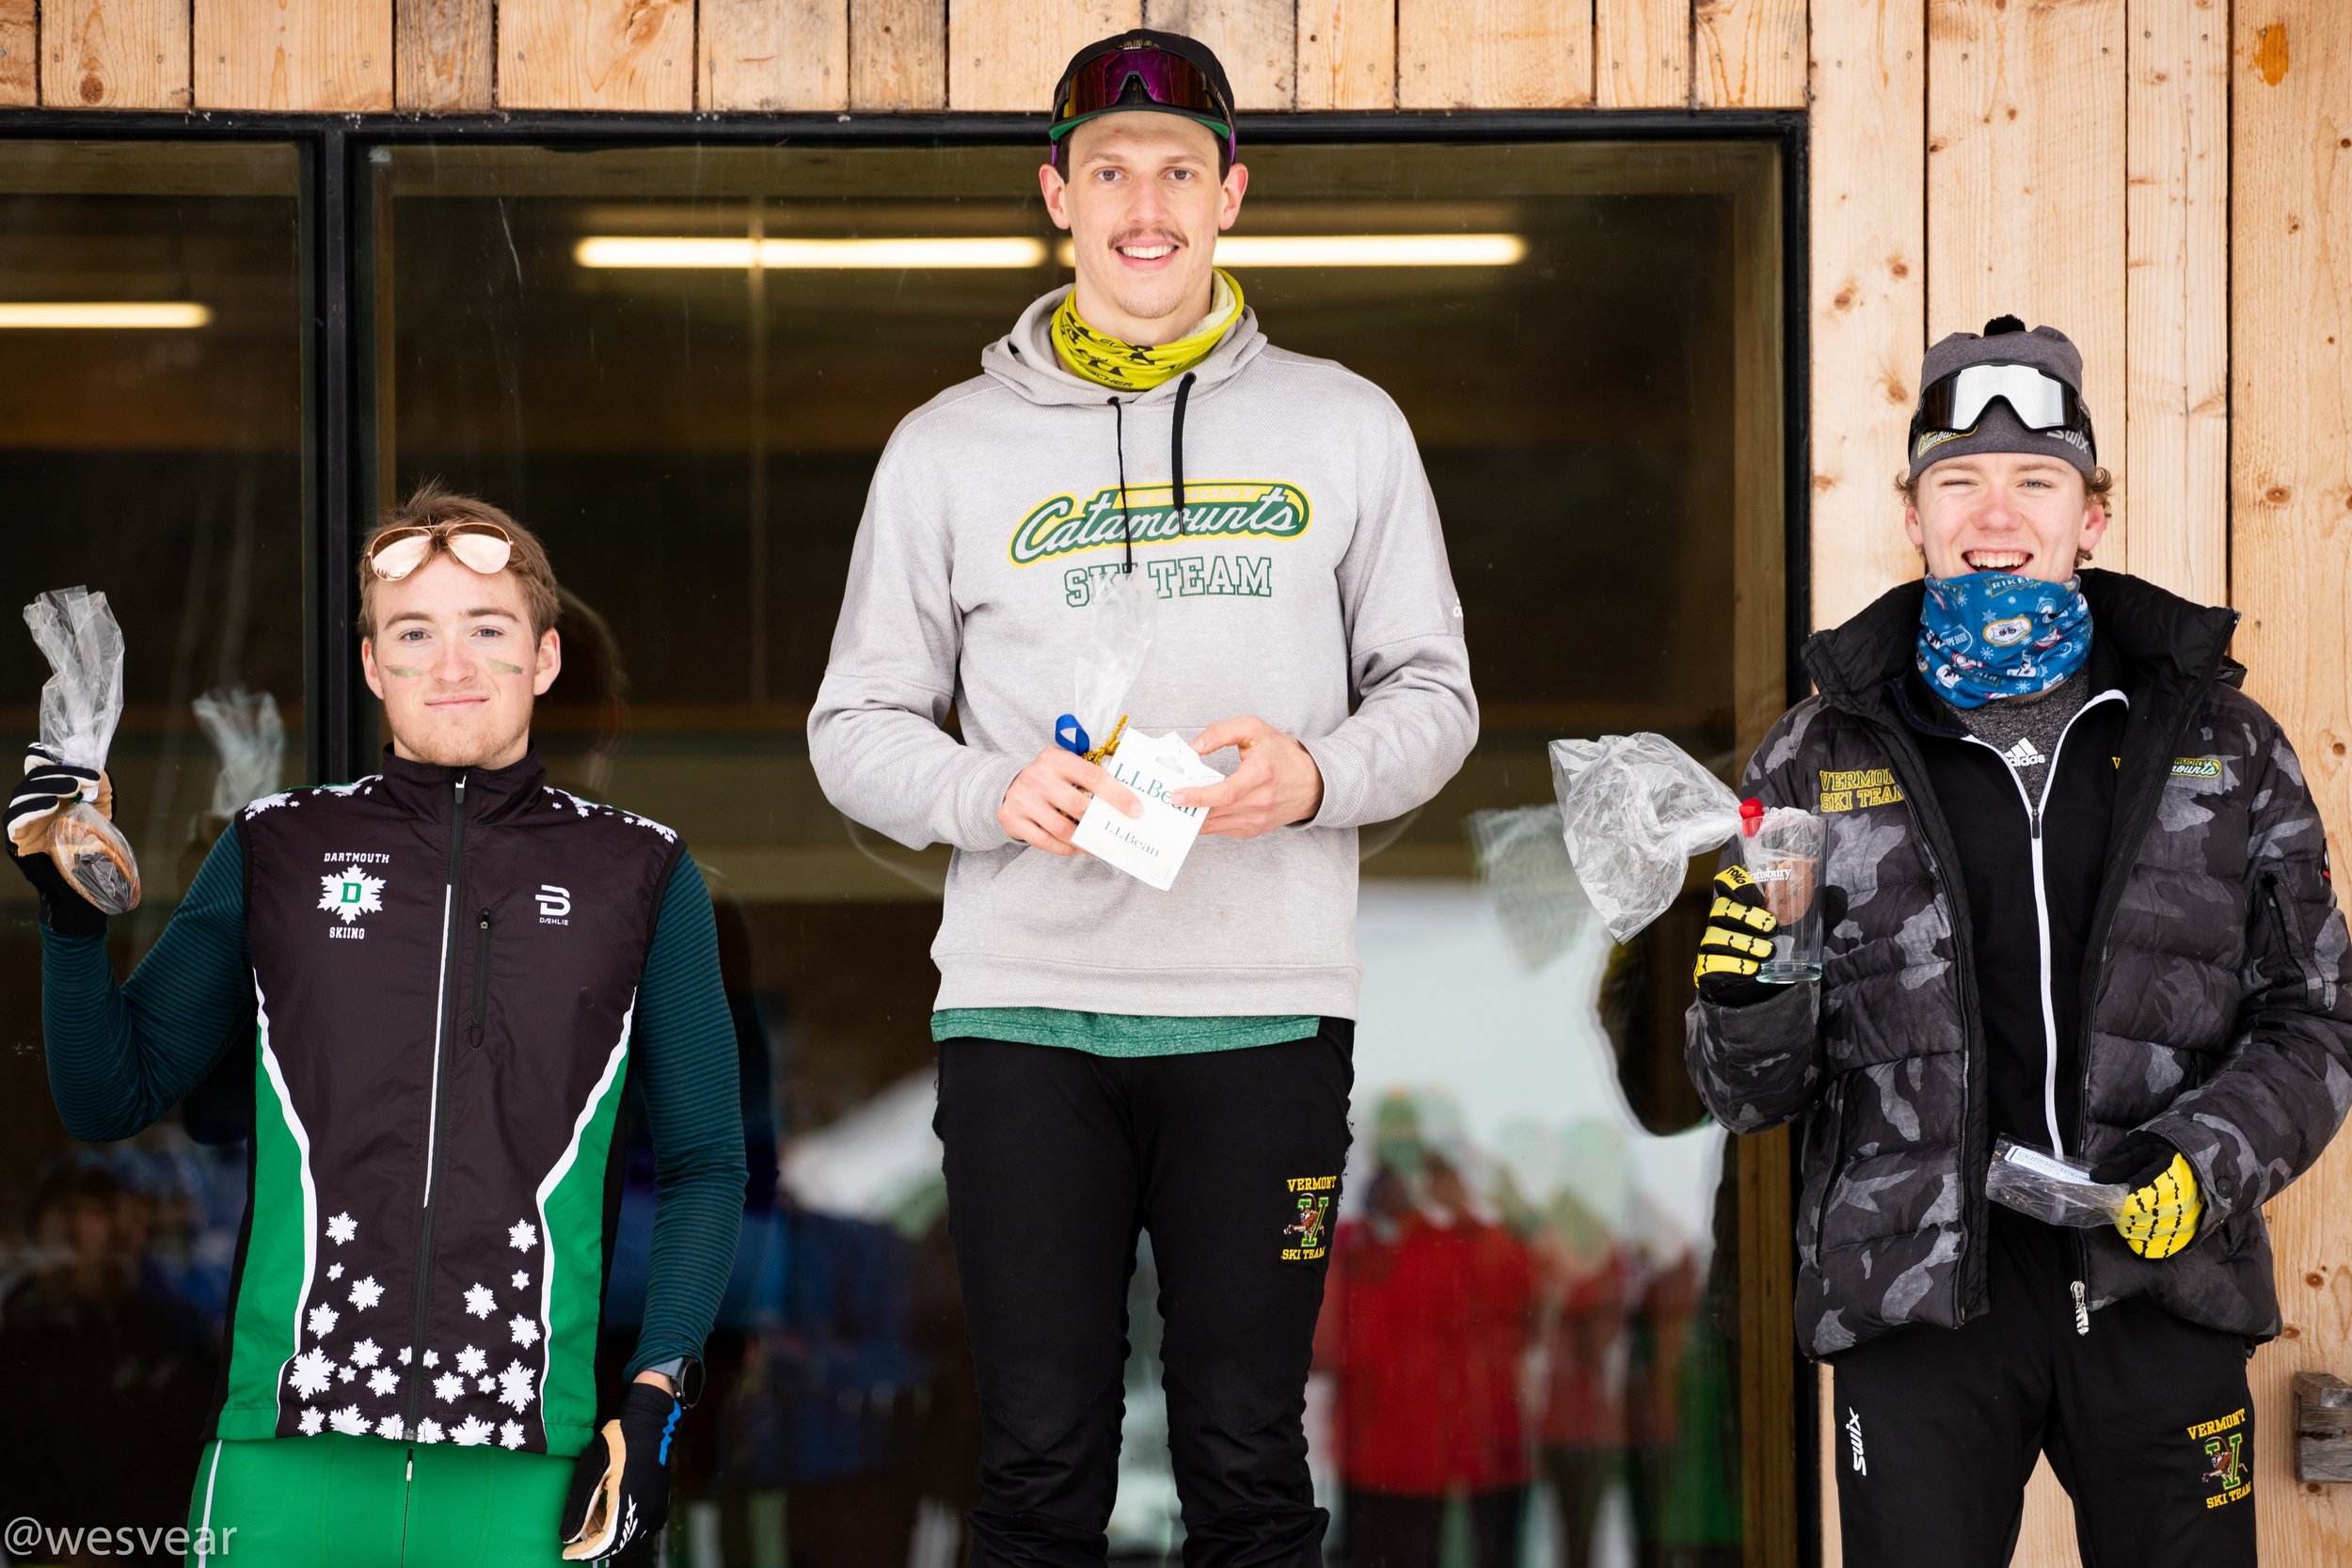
1114, 1058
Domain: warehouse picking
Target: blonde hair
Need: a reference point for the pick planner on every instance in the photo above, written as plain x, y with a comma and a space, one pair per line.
432, 504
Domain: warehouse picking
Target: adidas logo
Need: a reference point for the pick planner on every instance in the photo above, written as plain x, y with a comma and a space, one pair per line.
2023, 754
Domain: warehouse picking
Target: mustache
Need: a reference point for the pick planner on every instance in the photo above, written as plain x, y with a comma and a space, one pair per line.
1147, 236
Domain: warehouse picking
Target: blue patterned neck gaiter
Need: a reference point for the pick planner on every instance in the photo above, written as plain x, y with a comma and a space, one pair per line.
1991, 635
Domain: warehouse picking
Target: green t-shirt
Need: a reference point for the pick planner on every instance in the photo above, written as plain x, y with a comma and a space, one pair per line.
1118, 1033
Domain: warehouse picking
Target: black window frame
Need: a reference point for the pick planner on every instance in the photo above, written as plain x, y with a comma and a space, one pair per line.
337, 490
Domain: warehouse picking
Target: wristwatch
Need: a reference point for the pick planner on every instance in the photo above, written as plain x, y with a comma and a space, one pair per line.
677, 1369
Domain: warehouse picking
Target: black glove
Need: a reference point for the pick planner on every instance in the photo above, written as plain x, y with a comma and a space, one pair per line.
2165, 1209
1738, 940
620, 1496
2135, 1162
48, 787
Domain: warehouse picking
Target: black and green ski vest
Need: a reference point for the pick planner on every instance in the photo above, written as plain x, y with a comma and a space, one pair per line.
445, 962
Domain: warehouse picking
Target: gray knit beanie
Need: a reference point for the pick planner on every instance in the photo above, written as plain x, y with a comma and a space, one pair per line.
2006, 341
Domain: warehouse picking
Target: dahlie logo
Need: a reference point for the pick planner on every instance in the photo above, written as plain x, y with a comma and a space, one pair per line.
351, 895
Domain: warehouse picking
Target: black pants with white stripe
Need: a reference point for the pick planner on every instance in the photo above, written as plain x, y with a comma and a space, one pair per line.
2146, 1420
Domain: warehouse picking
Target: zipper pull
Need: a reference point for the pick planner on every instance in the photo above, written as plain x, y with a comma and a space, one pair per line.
481, 978
2082, 1311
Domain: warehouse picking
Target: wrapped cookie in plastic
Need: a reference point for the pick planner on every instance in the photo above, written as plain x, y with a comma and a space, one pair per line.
80, 705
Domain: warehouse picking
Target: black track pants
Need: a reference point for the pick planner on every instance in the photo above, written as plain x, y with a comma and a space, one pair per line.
2145, 1419
1056, 1160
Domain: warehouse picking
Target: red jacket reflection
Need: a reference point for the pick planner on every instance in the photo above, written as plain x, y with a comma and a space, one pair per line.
1425, 1325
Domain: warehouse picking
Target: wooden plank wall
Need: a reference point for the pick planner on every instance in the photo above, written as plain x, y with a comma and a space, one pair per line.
884, 57
2290, 479
2025, 211
2168, 181
20, 54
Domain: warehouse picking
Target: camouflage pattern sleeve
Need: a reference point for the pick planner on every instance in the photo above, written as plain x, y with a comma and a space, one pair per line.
1759, 1065
2277, 1095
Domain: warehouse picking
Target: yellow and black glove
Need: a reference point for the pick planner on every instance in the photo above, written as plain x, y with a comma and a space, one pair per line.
2162, 1213
1738, 940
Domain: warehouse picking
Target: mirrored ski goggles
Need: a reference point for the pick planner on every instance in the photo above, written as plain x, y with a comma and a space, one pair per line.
1953, 406
1169, 80
484, 546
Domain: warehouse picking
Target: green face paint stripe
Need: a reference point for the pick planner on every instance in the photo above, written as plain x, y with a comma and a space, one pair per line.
280, 1253
571, 1267
506, 669
403, 669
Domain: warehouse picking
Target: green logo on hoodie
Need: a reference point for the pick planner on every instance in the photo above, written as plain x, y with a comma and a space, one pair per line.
1214, 509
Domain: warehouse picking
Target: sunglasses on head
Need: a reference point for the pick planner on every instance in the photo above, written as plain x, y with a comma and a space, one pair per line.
485, 547
1162, 77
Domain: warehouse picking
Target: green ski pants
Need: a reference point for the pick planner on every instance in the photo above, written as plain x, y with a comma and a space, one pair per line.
333, 1501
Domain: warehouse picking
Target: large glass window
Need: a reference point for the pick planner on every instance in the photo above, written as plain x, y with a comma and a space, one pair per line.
151, 438
681, 364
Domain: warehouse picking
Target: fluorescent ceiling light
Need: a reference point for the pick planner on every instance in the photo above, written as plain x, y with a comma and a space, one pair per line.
1015, 252
628, 250
1359, 250
128, 313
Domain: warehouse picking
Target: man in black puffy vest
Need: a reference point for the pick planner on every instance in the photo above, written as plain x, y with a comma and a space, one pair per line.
448, 971
2076, 896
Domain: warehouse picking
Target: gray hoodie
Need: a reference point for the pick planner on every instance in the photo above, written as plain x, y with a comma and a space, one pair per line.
1304, 581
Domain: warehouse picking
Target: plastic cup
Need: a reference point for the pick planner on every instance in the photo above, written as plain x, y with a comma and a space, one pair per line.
1784, 855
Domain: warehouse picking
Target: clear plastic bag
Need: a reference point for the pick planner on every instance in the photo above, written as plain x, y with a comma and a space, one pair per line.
1523, 865
1634, 809
245, 730
80, 705
1121, 624
2050, 1188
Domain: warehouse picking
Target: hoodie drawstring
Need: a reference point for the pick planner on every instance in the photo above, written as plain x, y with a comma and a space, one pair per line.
1176, 445
1175, 463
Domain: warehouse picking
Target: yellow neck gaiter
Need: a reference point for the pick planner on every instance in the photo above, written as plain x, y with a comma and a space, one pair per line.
1126, 366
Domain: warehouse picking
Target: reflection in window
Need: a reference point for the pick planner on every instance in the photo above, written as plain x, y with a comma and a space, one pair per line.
680, 365
151, 446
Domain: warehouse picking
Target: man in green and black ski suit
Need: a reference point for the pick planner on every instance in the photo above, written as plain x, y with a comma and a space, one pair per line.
449, 972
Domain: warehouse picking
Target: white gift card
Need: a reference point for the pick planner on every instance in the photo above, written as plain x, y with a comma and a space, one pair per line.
1152, 846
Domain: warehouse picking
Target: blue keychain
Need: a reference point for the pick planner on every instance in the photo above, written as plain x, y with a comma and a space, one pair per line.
1071, 735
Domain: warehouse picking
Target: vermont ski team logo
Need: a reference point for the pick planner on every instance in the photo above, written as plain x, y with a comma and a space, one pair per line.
350, 894
2226, 1460
1852, 789
1213, 509
1314, 1212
